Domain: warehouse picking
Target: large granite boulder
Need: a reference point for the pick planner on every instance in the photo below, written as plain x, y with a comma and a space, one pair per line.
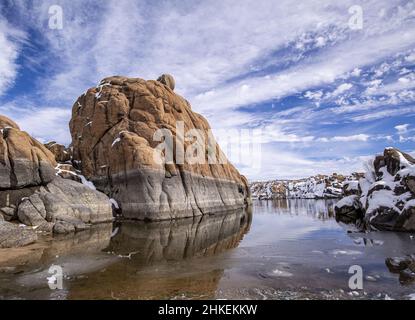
385, 197
113, 129
32, 193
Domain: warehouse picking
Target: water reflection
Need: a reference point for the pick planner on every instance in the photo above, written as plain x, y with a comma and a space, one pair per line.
138, 260
320, 209
148, 243
166, 259
288, 249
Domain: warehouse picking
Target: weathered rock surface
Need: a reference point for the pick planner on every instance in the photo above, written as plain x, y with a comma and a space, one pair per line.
24, 161
112, 129
12, 235
316, 187
385, 199
31, 191
404, 266
64, 206
61, 153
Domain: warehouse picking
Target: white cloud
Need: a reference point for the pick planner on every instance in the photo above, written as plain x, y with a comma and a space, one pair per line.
410, 57
314, 95
402, 128
10, 43
225, 55
357, 137
341, 89
45, 124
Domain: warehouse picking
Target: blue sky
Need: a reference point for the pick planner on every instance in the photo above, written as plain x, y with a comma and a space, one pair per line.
324, 96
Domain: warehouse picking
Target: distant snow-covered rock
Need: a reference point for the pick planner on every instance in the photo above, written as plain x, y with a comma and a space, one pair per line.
316, 187
385, 196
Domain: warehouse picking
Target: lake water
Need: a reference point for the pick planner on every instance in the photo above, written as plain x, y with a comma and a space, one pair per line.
287, 249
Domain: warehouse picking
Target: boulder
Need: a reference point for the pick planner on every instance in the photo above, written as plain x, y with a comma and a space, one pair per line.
404, 266
8, 213
167, 80
24, 161
64, 206
61, 153
386, 198
13, 235
115, 128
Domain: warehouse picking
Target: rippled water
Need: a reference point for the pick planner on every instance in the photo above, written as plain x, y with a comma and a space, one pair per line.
288, 249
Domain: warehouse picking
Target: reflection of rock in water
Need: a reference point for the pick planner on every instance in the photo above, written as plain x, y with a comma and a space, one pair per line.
158, 246
85, 242
180, 239
320, 209
75, 253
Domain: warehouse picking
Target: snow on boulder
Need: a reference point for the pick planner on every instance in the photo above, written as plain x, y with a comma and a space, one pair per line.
385, 194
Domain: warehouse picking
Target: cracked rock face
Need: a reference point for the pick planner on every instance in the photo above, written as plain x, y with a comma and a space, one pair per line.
24, 161
112, 130
31, 192
64, 206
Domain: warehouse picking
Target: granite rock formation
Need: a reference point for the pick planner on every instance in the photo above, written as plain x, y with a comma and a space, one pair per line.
113, 127
33, 194
24, 162
385, 196
61, 153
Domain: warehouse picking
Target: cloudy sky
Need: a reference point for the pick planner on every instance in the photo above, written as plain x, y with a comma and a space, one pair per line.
324, 91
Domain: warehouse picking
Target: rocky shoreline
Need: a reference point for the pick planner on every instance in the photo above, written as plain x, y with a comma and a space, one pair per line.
315, 187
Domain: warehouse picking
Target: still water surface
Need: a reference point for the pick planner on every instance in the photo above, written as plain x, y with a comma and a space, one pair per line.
287, 249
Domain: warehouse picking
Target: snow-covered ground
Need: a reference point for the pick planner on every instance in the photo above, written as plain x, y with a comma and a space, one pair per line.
316, 187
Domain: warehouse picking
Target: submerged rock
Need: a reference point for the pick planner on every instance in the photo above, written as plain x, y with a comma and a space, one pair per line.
114, 130
404, 266
13, 235
385, 198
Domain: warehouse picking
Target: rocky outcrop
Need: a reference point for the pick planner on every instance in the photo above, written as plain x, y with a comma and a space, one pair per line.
64, 206
31, 192
316, 187
24, 162
61, 153
113, 129
385, 197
